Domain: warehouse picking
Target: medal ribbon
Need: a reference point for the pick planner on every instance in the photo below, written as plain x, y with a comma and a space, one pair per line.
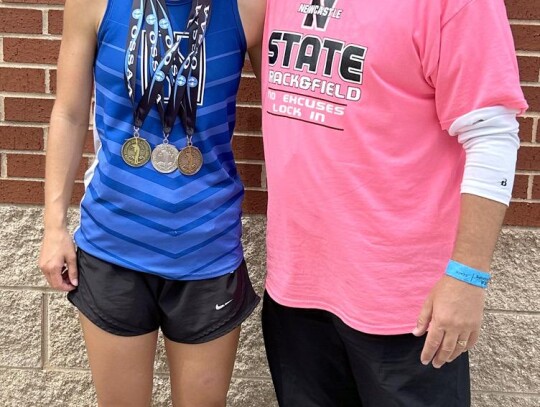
160, 30
180, 101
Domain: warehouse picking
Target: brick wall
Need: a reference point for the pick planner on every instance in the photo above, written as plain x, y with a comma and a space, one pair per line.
30, 32
525, 19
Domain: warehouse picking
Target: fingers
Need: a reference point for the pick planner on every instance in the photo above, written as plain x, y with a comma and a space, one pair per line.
462, 344
431, 346
424, 318
59, 274
446, 350
473, 339
58, 261
55, 277
72, 270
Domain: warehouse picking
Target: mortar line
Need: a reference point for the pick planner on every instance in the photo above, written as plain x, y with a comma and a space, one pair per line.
45, 21
512, 312
3, 165
510, 393
31, 6
45, 332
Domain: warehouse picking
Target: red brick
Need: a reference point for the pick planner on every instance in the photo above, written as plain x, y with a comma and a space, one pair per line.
21, 138
52, 80
248, 148
523, 214
28, 110
26, 165
22, 80
31, 50
33, 166
250, 174
55, 21
21, 192
532, 94
525, 128
536, 187
248, 68
249, 90
529, 68
529, 159
31, 192
523, 9
21, 21
521, 185
78, 192
248, 119
35, 1
89, 142
526, 37
255, 202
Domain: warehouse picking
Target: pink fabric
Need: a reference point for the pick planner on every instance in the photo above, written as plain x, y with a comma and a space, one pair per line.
364, 191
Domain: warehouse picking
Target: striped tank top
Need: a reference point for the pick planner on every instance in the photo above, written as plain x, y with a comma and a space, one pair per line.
172, 225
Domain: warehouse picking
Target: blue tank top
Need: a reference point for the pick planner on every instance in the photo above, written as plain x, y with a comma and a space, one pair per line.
176, 226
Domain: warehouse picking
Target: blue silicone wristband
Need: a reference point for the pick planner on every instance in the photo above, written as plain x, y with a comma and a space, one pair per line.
467, 274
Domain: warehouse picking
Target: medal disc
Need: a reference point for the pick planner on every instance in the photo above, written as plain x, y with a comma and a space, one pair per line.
136, 152
190, 160
164, 158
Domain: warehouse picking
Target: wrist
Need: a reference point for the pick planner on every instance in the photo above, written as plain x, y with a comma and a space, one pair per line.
467, 274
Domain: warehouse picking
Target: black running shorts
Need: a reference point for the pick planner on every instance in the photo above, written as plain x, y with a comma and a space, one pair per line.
129, 303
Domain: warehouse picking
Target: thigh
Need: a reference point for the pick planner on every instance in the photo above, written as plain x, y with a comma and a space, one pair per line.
122, 366
201, 373
307, 359
389, 373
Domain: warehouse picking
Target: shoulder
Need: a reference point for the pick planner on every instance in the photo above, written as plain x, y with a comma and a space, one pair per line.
252, 15
85, 13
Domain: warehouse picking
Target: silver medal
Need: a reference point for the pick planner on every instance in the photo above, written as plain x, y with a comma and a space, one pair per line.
164, 158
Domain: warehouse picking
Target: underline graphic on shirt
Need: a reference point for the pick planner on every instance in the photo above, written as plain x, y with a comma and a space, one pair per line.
303, 120
304, 108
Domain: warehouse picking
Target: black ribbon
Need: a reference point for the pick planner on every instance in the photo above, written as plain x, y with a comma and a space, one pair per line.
166, 62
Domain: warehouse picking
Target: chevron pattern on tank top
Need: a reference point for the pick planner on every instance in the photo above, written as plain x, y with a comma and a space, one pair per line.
176, 226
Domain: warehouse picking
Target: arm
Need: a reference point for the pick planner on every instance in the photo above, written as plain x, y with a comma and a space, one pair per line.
68, 129
454, 309
252, 14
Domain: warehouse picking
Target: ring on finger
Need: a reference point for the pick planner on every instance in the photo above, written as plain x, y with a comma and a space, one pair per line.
462, 344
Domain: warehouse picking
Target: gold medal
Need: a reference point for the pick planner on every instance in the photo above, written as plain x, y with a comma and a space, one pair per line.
136, 151
164, 158
190, 160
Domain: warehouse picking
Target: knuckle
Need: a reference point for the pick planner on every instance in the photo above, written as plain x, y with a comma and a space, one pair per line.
433, 344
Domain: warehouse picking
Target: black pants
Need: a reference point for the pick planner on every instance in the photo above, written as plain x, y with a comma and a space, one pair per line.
318, 361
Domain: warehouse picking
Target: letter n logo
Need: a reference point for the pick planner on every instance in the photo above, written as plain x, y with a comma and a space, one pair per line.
318, 18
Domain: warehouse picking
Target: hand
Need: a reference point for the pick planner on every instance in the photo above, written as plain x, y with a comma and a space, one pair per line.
453, 311
58, 261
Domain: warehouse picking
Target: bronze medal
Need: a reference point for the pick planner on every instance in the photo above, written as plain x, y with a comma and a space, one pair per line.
136, 151
190, 160
164, 158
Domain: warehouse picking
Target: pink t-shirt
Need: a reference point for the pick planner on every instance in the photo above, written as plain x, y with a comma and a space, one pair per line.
363, 177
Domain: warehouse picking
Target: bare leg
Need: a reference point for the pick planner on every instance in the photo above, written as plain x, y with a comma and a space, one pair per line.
201, 374
122, 367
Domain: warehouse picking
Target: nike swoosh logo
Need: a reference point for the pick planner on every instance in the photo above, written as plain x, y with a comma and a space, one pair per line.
218, 307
